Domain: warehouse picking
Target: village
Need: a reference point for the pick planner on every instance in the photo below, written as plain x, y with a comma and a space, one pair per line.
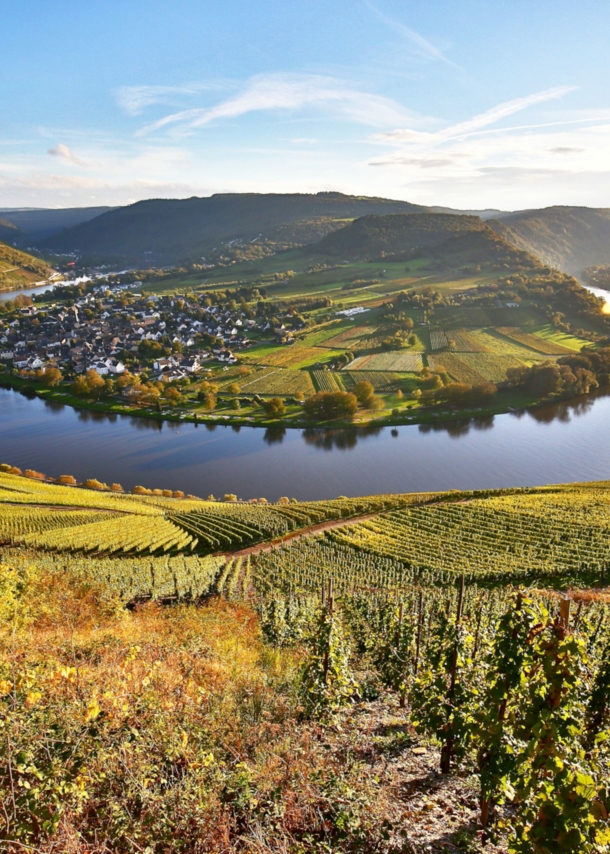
111, 330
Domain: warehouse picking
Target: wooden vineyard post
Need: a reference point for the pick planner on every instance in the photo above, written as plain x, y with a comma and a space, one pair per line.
564, 614
420, 627
329, 606
401, 616
447, 748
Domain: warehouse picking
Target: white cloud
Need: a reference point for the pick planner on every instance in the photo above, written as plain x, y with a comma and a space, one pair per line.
283, 91
64, 152
135, 99
424, 47
463, 129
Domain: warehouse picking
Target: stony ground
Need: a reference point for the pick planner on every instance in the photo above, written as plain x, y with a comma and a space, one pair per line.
427, 811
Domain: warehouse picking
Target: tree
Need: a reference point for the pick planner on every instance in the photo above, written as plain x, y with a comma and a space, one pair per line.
80, 386
327, 405
275, 407
173, 395
49, 377
233, 388
95, 383
363, 390
365, 393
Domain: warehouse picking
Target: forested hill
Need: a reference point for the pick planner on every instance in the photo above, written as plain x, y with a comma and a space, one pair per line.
568, 238
164, 231
19, 269
460, 239
8, 232
30, 225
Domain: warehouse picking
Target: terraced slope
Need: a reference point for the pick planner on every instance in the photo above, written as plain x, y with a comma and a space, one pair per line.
155, 546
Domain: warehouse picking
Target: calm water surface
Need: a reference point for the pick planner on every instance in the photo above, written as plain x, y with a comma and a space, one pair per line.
556, 444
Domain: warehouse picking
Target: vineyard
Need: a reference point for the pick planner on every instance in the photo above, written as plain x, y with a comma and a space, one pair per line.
422, 627
400, 362
328, 381
511, 688
290, 356
278, 381
473, 368
380, 380
438, 339
539, 345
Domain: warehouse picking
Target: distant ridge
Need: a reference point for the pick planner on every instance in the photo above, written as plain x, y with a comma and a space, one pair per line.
446, 239
168, 231
568, 238
34, 224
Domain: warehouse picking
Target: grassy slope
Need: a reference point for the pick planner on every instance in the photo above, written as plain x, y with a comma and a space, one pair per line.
19, 269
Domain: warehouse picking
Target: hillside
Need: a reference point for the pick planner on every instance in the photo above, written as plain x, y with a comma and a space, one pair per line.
328, 689
37, 223
19, 269
451, 238
9, 233
567, 238
167, 231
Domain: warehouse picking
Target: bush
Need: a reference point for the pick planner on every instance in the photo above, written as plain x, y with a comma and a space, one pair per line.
92, 483
35, 475
67, 479
327, 405
274, 408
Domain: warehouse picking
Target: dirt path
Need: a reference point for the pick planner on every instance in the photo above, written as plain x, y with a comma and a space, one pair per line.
318, 528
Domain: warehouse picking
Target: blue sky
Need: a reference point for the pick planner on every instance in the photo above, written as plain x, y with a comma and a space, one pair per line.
481, 103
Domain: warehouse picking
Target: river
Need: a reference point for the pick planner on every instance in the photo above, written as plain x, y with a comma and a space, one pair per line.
567, 442
561, 443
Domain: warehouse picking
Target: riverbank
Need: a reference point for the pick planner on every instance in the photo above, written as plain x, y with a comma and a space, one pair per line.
412, 414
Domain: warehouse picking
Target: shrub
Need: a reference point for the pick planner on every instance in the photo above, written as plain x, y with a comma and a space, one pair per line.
92, 483
35, 475
67, 479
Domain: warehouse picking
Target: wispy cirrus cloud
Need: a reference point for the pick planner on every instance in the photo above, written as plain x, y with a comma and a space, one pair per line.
482, 120
289, 92
477, 157
135, 99
423, 47
61, 150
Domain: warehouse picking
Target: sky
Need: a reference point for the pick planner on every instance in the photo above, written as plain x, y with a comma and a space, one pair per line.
472, 104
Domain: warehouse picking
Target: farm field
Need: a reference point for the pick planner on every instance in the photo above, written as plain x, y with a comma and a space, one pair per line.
273, 381
539, 345
380, 380
474, 368
328, 381
396, 362
290, 356
354, 338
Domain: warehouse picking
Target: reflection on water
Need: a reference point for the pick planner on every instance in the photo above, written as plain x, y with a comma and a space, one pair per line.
455, 429
338, 438
520, 448
274, 435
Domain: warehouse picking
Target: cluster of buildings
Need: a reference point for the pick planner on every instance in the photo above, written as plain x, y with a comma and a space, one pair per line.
107, 331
